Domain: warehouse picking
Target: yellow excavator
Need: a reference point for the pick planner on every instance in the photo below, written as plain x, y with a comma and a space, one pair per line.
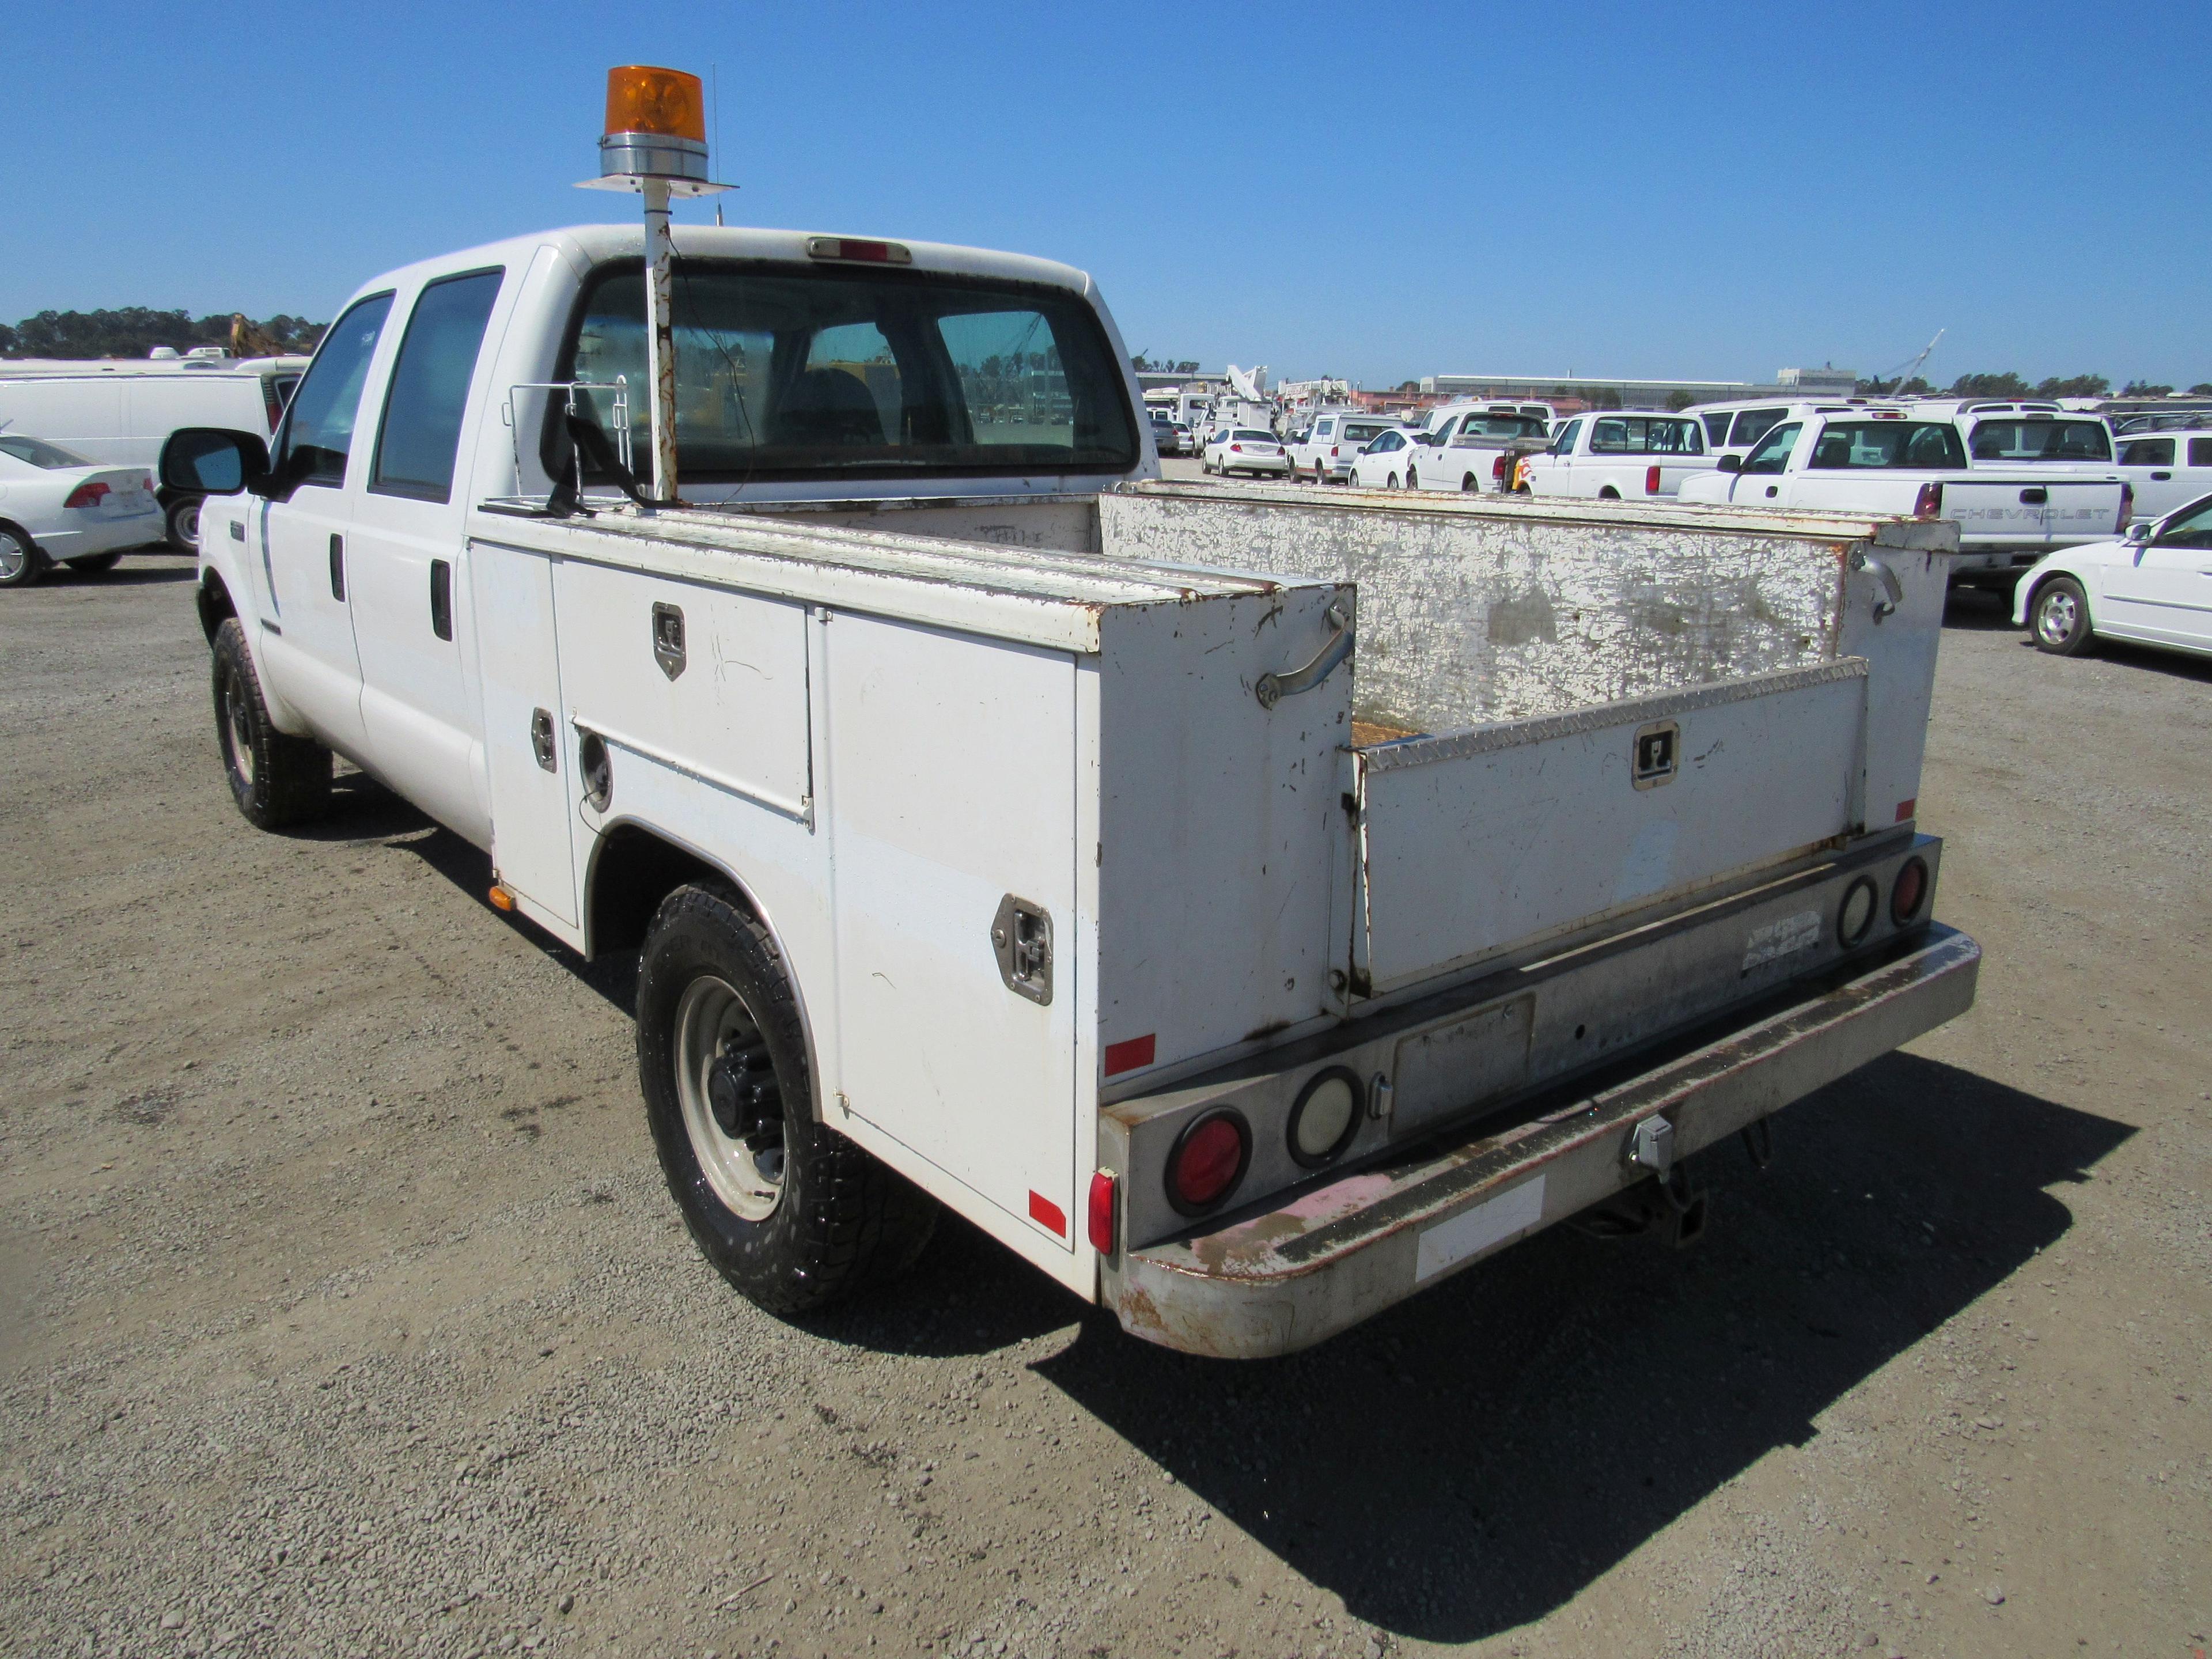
247, 340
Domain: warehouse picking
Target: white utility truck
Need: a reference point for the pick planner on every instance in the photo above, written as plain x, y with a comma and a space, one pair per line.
1892, 461
1609, 456
1248, 905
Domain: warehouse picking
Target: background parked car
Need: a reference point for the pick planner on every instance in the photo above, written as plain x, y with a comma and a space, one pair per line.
1333, 442
1382, 464
56, 507
1166, 437
1245, 449
1615, 456
2149, 585
2167, 469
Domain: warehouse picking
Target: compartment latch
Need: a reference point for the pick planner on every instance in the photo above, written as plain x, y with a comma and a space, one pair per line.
1021, 937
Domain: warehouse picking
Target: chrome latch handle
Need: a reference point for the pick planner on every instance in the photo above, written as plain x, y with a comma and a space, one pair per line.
1273, 688
1892, 591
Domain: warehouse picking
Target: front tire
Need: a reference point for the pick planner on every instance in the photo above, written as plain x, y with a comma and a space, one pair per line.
790, 1212
277, 780
1412, 478
2059, 618
21, 562
184, 524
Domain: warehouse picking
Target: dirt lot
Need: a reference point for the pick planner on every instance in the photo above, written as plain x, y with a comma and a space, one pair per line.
342, 1311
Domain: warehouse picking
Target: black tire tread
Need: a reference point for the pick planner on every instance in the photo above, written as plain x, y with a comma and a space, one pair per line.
291, 775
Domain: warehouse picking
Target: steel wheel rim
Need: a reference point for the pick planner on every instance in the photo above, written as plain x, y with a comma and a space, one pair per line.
14, 558
708, 1016
188, 525
238, 730
2056, 617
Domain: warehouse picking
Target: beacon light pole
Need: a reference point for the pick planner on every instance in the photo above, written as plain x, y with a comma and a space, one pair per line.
656, 143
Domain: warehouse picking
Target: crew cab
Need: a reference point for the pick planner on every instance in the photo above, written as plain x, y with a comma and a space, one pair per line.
1472, 448
2166, 469
1248, 905
1613, 456
1892, 461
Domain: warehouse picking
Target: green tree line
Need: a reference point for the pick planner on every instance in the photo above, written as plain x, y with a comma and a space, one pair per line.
134, 331
2015, 386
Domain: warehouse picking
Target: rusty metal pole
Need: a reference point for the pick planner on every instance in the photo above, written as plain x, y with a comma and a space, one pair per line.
661, 336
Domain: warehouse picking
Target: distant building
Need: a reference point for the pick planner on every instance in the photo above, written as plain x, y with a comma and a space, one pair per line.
1570, 393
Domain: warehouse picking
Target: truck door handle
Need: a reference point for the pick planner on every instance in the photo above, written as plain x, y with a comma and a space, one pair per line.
2161, 477
337, 568
441, 599
1774, 490
2034, 497
1271, 688
541, 738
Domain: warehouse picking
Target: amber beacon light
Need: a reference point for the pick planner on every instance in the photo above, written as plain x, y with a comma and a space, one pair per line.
656, 126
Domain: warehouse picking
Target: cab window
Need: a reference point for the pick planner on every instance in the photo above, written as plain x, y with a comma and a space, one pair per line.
2147, 451
1752, 424
318, 424
1772, 454
1926, 444
2189, 529
2200, 452
1565, 443
420, 437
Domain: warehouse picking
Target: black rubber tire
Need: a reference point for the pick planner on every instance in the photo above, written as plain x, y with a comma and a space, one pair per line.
92, 563
1609, 494
183, 523
2063, 596
845, 1221
285, 781
24, 563
1412, 478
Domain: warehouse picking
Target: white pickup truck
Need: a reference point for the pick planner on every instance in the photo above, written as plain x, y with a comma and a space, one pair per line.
1471, 448
1609, 456
1248, 905
1892, 462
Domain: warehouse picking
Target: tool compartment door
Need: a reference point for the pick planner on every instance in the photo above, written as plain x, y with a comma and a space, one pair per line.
1476, 842
950, 787
527, 755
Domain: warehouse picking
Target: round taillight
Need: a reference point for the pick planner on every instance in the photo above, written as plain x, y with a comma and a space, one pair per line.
1208, 1160
1324, 1117
1854, 915
1910, 893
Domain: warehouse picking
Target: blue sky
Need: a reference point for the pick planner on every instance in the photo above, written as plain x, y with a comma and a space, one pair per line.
1375, 191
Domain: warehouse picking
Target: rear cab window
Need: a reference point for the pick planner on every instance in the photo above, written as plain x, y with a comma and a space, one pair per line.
1646, 435
789, 372
1931, 445
2041, 439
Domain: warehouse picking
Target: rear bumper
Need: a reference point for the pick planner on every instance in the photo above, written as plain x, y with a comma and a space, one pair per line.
82, 540
1281, 1280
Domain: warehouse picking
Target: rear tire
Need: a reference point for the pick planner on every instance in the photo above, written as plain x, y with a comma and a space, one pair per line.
184, 524
2059, 618
793, 1214
1391, 482
92, 563
277, 780
21, 562
1468, 486
1412, 478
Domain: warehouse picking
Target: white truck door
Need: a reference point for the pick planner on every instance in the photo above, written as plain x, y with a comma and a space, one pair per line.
950, 796
306, 559
527, 755
410, 602
1764, 477
2148, 464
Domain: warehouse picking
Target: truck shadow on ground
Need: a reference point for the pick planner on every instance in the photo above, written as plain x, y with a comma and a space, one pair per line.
1469, 1462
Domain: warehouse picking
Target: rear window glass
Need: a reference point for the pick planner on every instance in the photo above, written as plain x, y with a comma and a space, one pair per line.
1717, 426
2200, 452
2041, 440
1752, 424
1926, 444
39, 453
1360, 432
1500, 426
1243, 436
784, 373
1637, 435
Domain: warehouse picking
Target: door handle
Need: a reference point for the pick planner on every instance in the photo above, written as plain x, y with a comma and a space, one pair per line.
337, 568
2034, 497
441, 599
2161, 477
1772, 490
1271, 688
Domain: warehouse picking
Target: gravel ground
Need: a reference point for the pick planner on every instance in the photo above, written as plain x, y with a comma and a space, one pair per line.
342, 1311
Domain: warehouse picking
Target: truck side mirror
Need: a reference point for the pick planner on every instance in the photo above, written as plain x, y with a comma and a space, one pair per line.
1729, 462
213, 460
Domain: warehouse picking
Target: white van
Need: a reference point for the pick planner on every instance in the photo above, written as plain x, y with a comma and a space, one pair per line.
121, 414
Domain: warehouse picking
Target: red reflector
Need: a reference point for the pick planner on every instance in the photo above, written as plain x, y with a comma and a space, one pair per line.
1905, 807
1102, 1212
1129, 1054
1046, 1213
1651, 480
853, 247
1904, 898
1207, 1162
90, 493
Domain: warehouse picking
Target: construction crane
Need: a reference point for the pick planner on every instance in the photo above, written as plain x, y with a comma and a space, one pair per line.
1911, 367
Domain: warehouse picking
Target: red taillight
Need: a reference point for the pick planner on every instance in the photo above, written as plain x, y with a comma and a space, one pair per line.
1208, 1161
1911, 889
91, 493
1928, 503
1102, 1212
1498, 467
2127, 508
272, 402
1332, 452
1651, 480
1238, 448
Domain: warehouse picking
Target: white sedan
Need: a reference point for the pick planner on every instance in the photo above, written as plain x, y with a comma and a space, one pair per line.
1245, 449
2152, 585
56, 507
1390, 462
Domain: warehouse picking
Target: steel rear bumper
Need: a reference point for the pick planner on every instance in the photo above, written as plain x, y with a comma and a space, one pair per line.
1281, 1280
